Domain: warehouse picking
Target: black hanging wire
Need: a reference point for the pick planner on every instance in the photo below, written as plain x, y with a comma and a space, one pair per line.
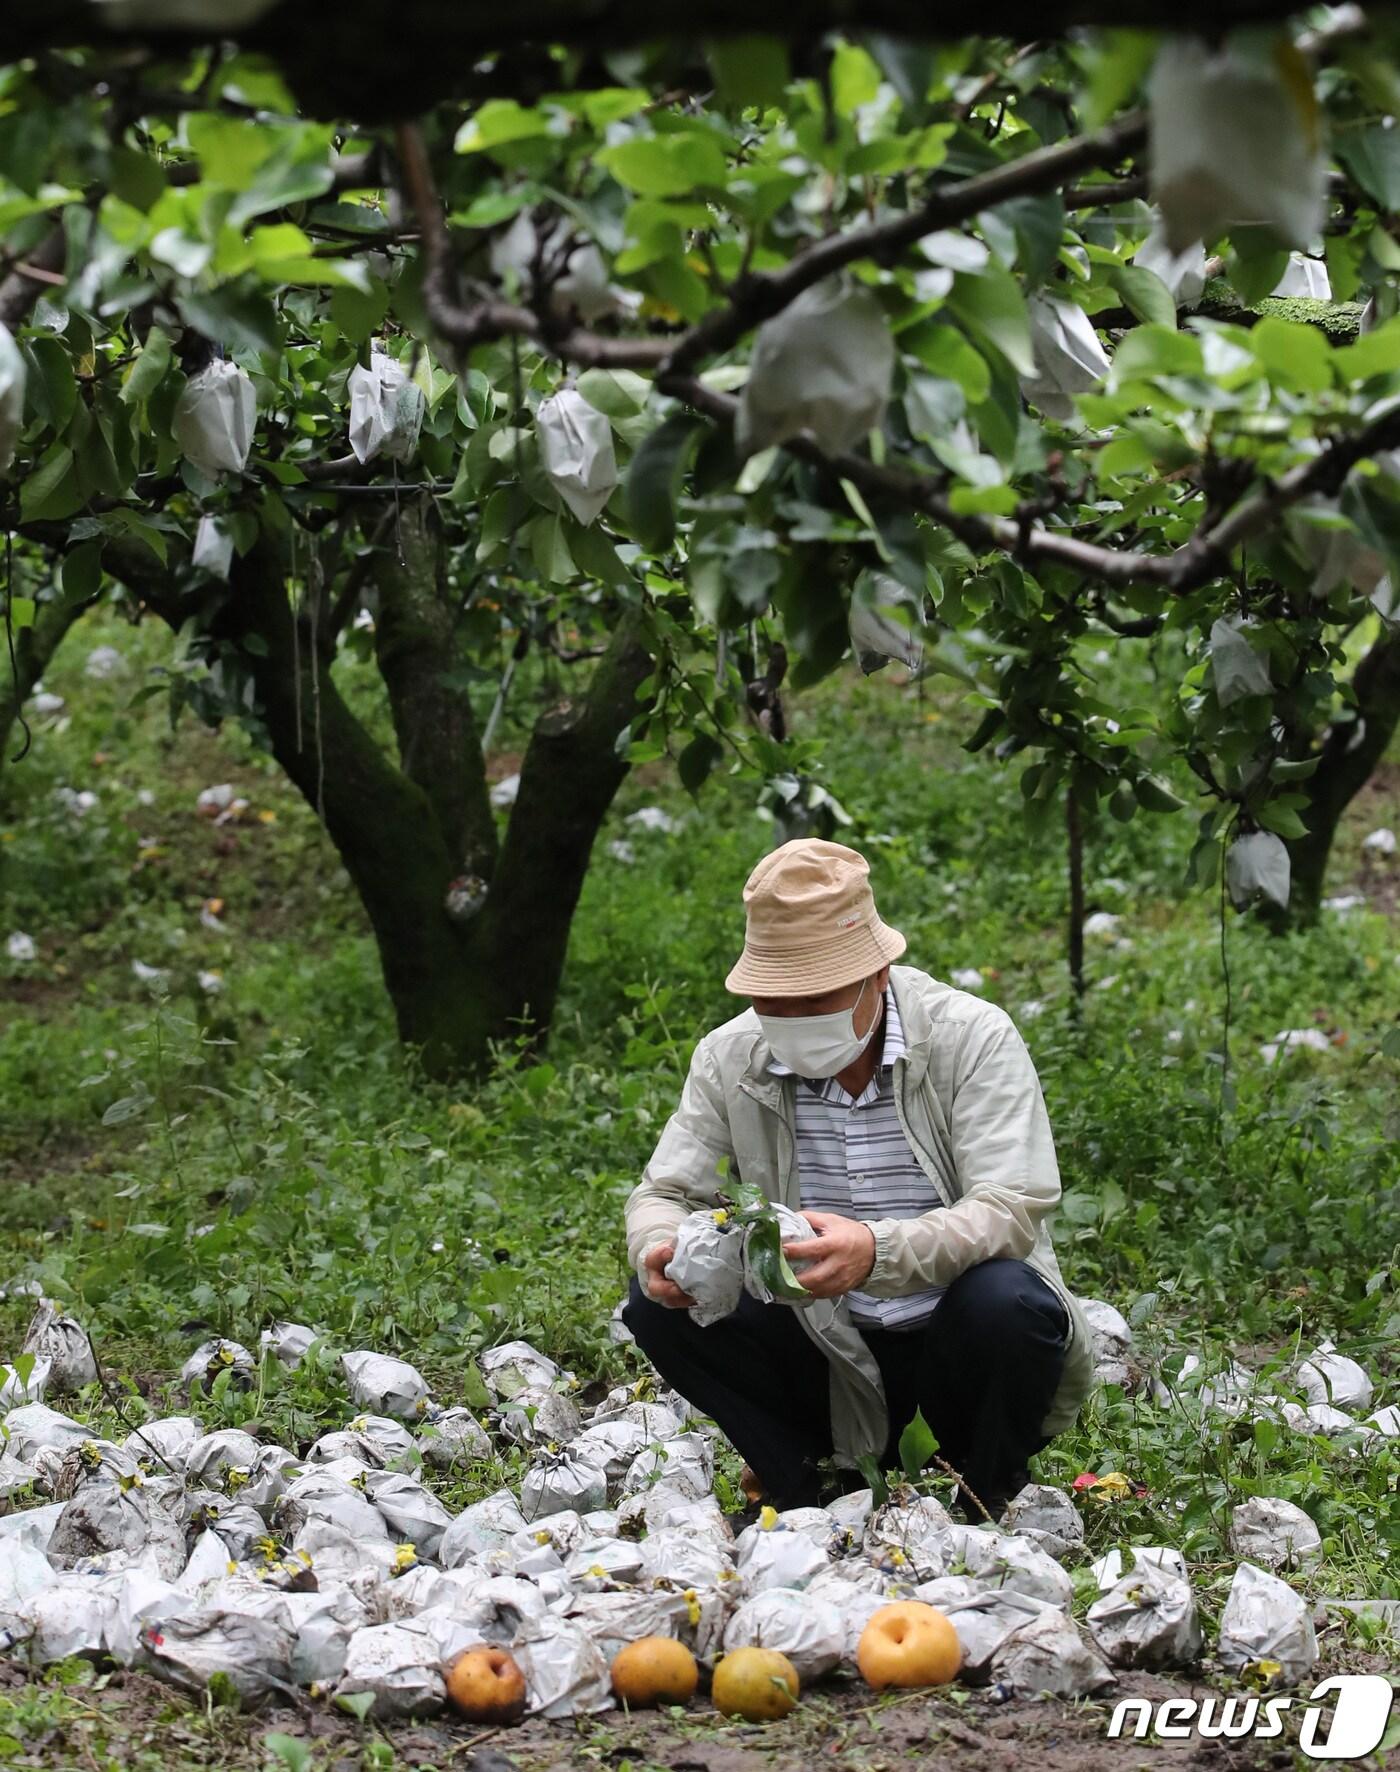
23, 750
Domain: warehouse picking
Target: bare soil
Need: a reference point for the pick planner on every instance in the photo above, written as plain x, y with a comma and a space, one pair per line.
134, 1722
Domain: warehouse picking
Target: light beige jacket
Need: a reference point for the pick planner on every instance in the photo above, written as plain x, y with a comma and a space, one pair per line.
971, 1107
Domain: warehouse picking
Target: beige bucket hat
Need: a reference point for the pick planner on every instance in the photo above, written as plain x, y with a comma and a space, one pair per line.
811, 923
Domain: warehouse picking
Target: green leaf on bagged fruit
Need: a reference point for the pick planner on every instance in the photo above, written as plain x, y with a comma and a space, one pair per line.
917, 1445
764, 1252
749, 70
654, 478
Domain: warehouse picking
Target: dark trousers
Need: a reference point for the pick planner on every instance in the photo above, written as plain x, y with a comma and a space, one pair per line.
983, 1368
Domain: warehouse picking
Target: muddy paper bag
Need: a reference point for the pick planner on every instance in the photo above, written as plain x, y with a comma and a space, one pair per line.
1147, 1620
12, 378
214, 420
1049, 1655
1275, 1533
576, 448
810, 1631
515, 1365
1235, 141
560, 1481
63, 1342
564, 1670
1265, 1622
823, 365
189, 1648
386, 1386
399, 1665
386, 410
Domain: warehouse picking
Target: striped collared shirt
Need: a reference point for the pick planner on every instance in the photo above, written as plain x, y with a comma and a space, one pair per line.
853, 1159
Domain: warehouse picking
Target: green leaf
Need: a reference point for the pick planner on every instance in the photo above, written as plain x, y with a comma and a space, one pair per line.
698, 760
1293, 353
917, 1446
1155, 350
749, 70
53, 391
855, 79
1155, 795
148, 371
52, 490
360, 312
235, 315
616, 393
499, 120
990, 303
1374, 353
22, 612
1145, 293
1282, 820
82, 571
1371, 154
869, 1467
653, 481
666, 165
764, 1253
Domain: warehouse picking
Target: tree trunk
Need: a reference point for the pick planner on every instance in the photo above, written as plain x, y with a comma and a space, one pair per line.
34, 649
457, 982
1350, 752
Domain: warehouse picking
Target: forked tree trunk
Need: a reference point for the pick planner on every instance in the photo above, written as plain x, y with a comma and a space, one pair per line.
407, 831
1350, 753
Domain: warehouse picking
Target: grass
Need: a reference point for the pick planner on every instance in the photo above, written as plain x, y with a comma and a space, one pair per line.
180, 1164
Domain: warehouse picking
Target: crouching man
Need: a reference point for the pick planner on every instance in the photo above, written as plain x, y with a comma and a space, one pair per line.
905, 1120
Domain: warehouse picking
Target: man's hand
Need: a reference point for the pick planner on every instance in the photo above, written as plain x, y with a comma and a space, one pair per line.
659, 1289
841, 1255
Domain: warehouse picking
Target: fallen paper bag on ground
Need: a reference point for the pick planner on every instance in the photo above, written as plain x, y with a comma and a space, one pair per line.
809, 1630
104, 1519
1329, 1377
768, 1557
453, 1436
1275, 1534
190, 1647
63, 1342
1265, 1621
514, 1365
1048, 1518
539, 1416
385, 1386
1147, 1620
565, 1673
559, 1480
486, 1525
685, 1463
212, 1358
399, 1666
1048, 1654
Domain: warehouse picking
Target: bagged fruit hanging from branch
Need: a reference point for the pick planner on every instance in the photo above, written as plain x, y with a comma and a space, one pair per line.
214, 420
576, 448
386, 409
823, 365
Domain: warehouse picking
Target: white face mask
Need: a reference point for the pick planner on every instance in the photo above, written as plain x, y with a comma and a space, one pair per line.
818, 1045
